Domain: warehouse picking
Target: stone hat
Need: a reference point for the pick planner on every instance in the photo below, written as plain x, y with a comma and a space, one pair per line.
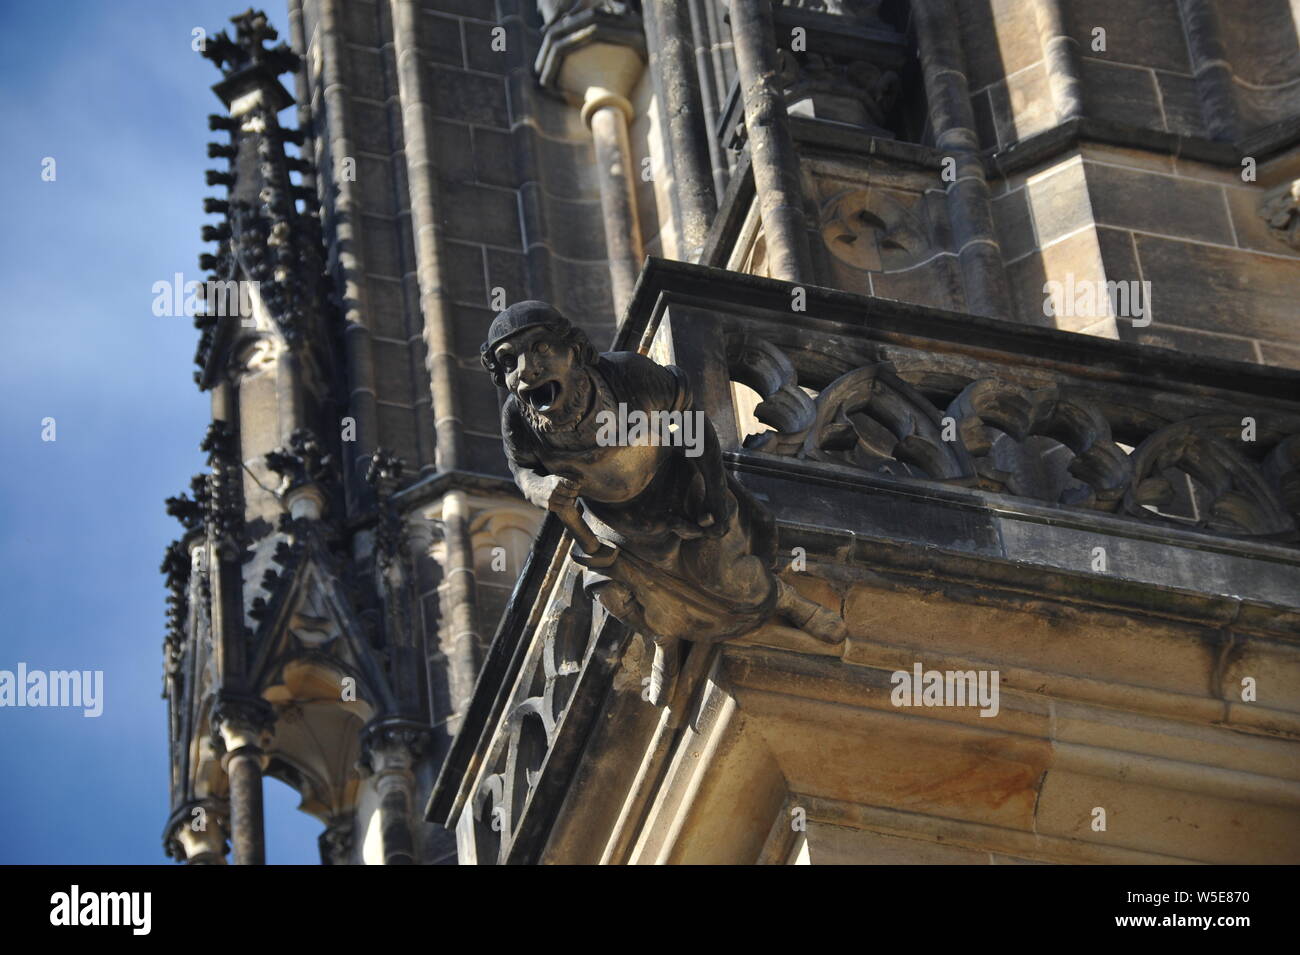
525, 315
520, 316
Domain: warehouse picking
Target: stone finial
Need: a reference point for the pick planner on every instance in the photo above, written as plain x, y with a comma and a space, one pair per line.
247, 51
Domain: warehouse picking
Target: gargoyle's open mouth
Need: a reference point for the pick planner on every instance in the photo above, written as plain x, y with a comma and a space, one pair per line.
542, 397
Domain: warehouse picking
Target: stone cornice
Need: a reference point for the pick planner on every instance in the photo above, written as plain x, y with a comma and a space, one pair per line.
904, 323
1040, 147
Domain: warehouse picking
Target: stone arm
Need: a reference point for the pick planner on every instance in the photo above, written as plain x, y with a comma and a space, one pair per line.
539, 486
547, 491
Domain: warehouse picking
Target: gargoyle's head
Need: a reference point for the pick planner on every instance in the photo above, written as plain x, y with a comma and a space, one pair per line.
542, 359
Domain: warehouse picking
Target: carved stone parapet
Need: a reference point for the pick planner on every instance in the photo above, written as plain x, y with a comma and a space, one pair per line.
1230, 473
567, 632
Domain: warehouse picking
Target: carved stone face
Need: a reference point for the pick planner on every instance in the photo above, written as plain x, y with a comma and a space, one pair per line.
544, 374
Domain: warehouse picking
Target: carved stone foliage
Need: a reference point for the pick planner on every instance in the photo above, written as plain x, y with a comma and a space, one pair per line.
214, 504
225, 499
176, 568
302, 461
190, 509
384, 474
1234, 474
533, 715
248, 47
1281, 210
262, 237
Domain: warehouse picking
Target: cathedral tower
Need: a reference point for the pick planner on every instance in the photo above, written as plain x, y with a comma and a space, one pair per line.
991, 306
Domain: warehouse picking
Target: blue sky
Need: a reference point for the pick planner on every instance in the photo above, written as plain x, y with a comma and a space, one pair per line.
115, 94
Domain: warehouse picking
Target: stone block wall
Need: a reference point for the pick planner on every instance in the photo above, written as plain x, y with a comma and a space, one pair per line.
1192, 90
518, 205
1222, 282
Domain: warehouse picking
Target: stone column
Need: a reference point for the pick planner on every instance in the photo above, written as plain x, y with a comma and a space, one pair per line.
607, 115
1210, 64
677, 85
389, 752
946, 89
1060, 52
442, 352
777, 172
342, 206
245, 726
458, 635
595, 57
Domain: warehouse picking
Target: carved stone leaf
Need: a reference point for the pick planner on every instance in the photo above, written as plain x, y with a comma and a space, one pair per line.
872, 419
785, 407
1241, 498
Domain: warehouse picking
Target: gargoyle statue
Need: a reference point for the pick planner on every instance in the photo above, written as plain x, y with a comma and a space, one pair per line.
675, 547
